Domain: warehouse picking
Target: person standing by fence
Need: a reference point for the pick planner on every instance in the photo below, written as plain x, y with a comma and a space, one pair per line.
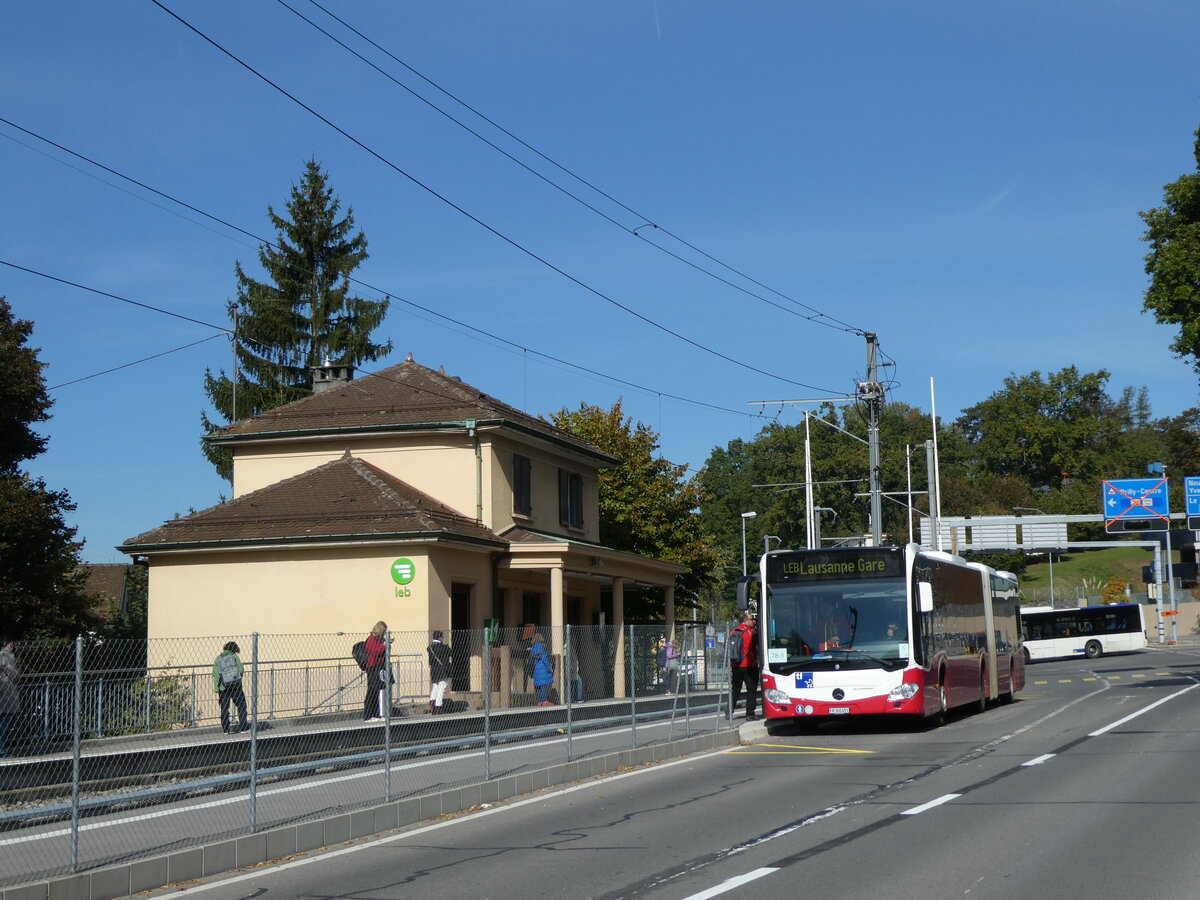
227, 682
376, 660
743, 665
439, 671
10, 699
671, 652
543, 670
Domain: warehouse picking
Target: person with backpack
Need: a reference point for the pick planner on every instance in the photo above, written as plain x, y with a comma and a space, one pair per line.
671, 665
376, 649
743, 665
227, 682
543, 670
438, 652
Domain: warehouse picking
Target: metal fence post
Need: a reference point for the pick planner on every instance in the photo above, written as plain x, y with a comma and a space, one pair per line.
387, 716
254, 731
76, 741
100, 707
687, 684
195, 707
487, 705
147, 698
632, 688
569, 686
271, 696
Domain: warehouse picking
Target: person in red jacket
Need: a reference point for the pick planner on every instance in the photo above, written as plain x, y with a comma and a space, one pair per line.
373, 702
746, 671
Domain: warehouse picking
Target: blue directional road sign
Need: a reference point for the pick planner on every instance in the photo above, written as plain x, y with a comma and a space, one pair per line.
1135, 504
1191, 500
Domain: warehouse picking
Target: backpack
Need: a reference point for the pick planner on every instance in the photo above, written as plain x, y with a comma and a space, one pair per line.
737, 646
359, 652
661, 656
227, 668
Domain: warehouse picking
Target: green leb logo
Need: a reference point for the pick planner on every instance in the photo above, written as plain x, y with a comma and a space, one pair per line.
403, 571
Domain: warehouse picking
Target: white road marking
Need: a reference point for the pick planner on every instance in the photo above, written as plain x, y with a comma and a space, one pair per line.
1037, 761
1146, 709
731, 883
945, 798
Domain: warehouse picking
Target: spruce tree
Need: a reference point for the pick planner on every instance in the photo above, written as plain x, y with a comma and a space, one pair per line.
303, 315
41, 583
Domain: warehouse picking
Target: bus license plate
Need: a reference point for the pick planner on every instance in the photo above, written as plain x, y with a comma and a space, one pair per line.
839, 710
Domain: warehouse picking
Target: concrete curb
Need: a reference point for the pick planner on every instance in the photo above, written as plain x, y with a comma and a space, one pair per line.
250, 849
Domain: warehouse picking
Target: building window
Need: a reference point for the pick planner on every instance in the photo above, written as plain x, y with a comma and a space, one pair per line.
570, 498
522, 476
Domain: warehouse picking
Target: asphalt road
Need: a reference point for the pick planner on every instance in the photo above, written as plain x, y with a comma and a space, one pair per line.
1083, 788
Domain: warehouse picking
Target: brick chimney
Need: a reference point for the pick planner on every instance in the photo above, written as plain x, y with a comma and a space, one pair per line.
328, 376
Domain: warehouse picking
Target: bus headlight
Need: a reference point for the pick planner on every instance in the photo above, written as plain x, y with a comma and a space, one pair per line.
904, 692
778, 697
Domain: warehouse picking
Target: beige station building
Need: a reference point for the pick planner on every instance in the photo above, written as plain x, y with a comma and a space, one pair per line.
406, 496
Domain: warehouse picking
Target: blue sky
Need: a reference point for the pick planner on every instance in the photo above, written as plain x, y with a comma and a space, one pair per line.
961, 178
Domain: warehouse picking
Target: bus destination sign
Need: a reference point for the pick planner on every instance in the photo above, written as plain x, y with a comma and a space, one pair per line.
834, 565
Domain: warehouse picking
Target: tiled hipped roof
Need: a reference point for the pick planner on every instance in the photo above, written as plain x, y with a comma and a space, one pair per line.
347, 499
405, 396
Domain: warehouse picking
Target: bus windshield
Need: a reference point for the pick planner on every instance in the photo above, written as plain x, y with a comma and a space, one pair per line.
837, 624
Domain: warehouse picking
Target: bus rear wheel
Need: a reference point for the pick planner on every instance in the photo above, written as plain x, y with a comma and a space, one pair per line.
1092, 649
1011, 694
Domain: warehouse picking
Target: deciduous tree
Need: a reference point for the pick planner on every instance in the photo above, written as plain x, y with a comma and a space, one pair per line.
41, 584
1173, 263
647, 503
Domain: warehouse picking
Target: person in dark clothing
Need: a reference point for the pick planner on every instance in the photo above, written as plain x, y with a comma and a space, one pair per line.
376, 666
227, 682
745, 672
10, 697
439, 671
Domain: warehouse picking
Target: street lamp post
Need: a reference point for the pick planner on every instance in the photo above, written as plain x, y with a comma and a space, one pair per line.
745, 516
1049, 553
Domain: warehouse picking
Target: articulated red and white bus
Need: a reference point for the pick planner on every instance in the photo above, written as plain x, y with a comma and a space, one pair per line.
884, 630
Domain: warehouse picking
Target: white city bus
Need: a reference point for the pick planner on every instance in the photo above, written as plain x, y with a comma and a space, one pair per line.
883, 631
1088, 631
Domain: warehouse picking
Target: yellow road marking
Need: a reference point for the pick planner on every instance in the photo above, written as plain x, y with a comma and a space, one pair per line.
1113, 677
1064, 681
1041, 682
792, 748
1138, 675
1089, 679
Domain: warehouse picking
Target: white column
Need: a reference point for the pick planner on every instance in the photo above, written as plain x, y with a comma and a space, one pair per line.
618, 600
558, 608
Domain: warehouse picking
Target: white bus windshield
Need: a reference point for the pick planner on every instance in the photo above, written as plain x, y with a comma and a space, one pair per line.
837, 624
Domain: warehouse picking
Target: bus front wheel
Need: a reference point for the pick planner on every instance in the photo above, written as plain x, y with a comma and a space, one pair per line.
1092, 649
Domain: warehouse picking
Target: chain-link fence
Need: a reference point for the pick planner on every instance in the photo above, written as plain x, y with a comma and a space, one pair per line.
124, 749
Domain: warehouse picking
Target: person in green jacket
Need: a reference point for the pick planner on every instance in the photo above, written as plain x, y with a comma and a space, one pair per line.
227, 682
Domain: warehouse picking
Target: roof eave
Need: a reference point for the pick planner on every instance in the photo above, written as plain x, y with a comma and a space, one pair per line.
295, 434
292, 542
